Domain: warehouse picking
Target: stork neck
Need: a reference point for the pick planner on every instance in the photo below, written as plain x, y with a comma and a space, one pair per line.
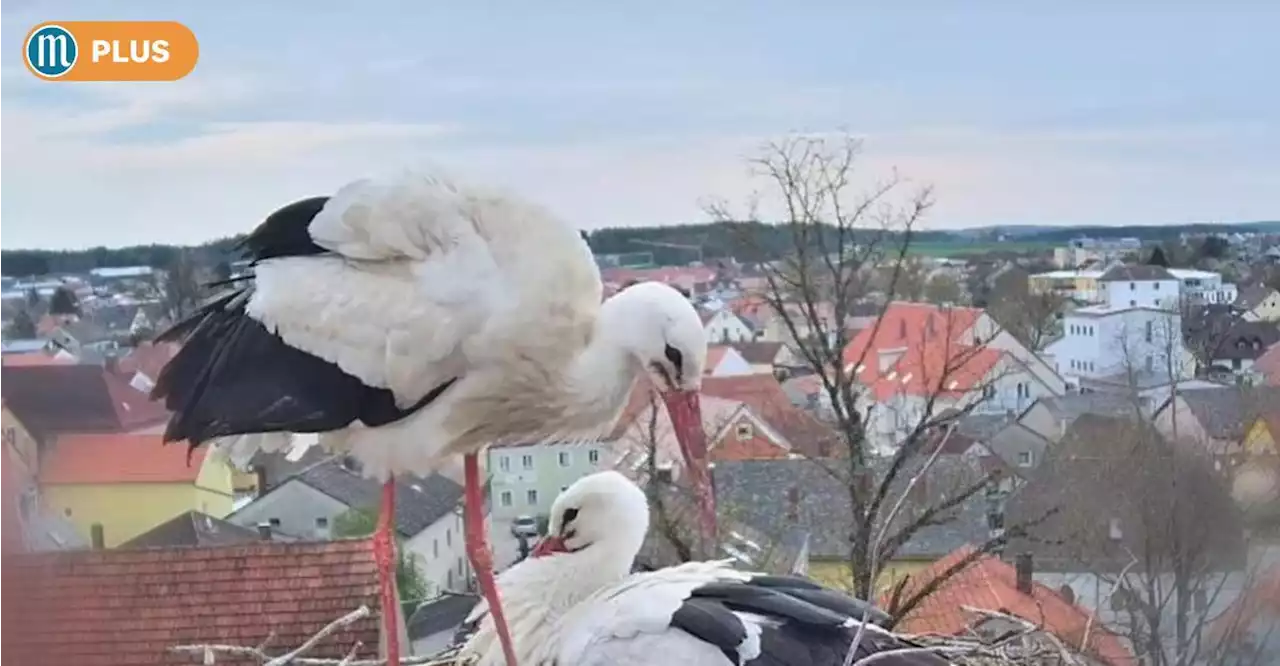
604, 373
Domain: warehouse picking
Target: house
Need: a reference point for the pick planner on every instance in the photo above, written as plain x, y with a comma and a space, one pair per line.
724, 326
781, 498
1246, 632
1102, 340
1255, 472
29, 527
1258, 303
1204, 286
435, 624
987, 583
80, 398
526, 478
1240, 346
193, 528
130, 483
763, 356
1051, 417
955, 358
132, 606
1074, 285
1139, 286
725, 361
1105, 494
1018, 448
1214, 418
1266, 369
307, 505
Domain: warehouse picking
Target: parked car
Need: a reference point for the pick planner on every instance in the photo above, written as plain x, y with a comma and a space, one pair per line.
526, 526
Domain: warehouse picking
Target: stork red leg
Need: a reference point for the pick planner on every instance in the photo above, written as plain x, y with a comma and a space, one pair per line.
384, 554
479, 553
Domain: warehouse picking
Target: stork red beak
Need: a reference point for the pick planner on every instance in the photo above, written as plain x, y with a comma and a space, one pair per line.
686, 418
550, 545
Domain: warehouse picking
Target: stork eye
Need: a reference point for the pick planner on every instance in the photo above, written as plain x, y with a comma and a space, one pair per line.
674, 356
569, 515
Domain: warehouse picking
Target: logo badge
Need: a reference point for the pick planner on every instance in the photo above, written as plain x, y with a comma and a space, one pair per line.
51, 51
111, 51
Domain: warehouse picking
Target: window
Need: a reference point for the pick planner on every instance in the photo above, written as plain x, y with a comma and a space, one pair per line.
1157, 287
322, 523
1025, 459
1151, 363
1150, 330
593, 456
563, 458
448, 537
1133, 286
526, 461
504, 463
449, 584
1133, 304
744, 431
988, 392
505, 498
67, 512
531, 497
435, 548
274, 522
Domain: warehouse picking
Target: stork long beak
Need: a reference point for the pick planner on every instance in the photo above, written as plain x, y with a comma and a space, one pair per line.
686, 418
550, 545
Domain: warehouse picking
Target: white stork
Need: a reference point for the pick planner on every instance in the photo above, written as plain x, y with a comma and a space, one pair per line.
575, 601
411, 320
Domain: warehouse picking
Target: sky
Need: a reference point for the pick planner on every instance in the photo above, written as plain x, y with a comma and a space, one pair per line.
639, 113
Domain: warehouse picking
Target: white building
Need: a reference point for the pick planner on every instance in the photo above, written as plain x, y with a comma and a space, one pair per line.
1138, 286
1204, 286
1104, 340
723, 326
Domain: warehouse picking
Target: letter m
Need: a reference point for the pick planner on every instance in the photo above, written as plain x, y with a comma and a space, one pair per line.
52, 50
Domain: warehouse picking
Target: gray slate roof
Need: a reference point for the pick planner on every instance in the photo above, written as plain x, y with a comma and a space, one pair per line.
419, 502
444, 614
1227, 412
1136, 273
761, 493
193, 528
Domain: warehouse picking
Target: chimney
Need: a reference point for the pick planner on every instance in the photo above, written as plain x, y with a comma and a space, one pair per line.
264, 531
96, 538
1024, 567
260, 471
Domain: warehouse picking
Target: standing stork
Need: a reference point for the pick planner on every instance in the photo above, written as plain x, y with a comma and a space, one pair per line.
575, 601
411, 320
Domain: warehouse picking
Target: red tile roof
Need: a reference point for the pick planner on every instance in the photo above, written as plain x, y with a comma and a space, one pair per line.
127, 607
715, 354
990, 584
147, 358
931, 348
759, 353
52, 399
764, 395
119, 458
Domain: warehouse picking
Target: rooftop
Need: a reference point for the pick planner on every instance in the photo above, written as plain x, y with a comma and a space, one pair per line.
193, 528
419, 502
120, 458
128, 607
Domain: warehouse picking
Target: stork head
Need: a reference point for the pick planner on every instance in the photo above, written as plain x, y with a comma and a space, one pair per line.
604, 512
661, 328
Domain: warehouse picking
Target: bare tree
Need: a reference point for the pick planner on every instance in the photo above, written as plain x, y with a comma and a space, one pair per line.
1031, 317
942, 289
838, 230
179, 286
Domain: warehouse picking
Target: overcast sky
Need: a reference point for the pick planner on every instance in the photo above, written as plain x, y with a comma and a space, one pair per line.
637, 113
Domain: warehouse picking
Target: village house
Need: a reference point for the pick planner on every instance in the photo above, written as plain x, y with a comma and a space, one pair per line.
1258, 303
953, 357
308, 505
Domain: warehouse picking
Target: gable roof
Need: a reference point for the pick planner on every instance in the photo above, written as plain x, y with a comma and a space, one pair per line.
1251, 296
1268, 365
1246, 340
1136, 273
764, 395
120, 458
53, 399
128, 607
193, 528
446, 613
1225, 412
419, 502
991, 584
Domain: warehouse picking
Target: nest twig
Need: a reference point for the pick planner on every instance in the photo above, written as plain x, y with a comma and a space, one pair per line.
209, 653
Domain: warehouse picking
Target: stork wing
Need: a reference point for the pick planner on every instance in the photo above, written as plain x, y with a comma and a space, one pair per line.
707, 613
369, 304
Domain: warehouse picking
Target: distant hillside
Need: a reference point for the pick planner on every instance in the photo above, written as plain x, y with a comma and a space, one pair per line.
669, 245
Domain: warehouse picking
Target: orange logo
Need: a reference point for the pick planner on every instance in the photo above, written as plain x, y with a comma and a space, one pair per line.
111, 51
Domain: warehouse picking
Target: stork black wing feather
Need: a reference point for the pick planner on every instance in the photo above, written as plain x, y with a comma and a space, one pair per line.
233, 376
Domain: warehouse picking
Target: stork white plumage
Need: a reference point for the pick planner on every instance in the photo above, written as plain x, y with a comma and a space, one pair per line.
575, 601
411, 320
